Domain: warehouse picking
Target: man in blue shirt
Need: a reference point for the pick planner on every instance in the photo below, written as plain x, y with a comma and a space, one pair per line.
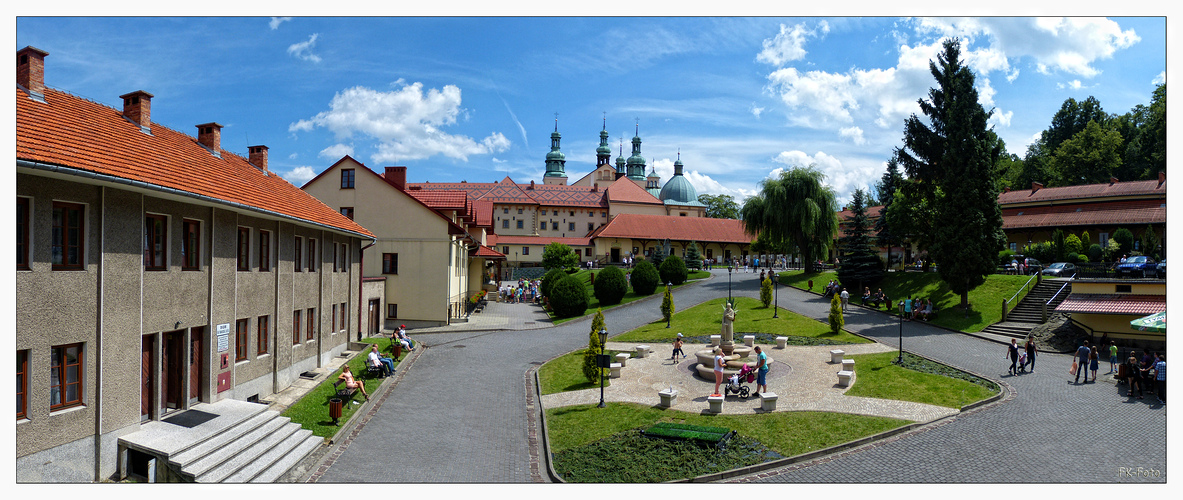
1082, 358
1160, 376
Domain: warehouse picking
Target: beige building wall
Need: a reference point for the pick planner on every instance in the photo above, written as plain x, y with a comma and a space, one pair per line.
635, 208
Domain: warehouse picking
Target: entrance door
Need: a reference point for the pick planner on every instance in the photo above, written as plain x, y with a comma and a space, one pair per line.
196, 355
375, 304
172, 376
147, 381
615, 255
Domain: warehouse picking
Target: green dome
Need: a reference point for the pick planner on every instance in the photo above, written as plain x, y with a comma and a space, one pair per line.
679, 191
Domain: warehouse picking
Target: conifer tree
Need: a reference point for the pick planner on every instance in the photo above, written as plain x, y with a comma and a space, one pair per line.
766, 292
693, 256
953, 162
888, 185
667, 305
836, 320
860, 265
590, 370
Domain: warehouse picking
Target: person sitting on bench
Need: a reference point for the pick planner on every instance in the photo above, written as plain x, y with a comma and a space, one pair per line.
350, 383
386, 364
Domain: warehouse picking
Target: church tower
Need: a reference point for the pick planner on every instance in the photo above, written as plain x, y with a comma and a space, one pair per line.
604, 152
636, 162
556, 161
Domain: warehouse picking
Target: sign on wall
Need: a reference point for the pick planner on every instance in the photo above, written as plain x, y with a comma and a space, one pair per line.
223, 337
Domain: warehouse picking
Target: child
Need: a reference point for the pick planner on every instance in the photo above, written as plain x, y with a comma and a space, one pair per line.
678, 348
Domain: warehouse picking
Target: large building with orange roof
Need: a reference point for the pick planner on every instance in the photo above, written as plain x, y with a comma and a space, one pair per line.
157, 271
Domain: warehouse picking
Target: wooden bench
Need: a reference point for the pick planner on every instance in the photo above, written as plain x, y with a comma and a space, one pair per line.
345, 394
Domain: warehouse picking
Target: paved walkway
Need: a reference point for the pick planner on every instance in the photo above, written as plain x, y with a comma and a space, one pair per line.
464, 412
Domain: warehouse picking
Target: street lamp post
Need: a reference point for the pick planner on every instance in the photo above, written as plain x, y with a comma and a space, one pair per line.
775, 296
728, 282
900, 360
600, 362
667, 292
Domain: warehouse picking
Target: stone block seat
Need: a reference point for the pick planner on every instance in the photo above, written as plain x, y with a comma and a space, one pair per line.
614, 370
768, 401
622, 358
669, 397
642, 351
836, 356
844, 377
848, 365
716, 403
781, 342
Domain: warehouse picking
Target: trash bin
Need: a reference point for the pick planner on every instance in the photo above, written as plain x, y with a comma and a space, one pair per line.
335, 405
398, 350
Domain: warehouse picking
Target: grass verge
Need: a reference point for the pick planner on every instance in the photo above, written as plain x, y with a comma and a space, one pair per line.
565, 373
918, 381
698, 323
985, 300
600, 444
312, 410
584, 276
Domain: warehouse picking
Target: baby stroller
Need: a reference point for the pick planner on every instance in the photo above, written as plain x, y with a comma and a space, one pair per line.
736, 381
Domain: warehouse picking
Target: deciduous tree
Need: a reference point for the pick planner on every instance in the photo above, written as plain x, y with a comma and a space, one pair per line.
794, 209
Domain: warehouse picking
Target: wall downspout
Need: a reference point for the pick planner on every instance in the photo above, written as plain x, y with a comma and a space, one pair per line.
98, 354
361, 264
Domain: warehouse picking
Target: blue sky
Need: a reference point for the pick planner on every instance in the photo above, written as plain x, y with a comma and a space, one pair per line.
475, 98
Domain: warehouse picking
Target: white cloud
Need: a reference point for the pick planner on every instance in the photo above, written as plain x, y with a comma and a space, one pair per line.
336, 151
1074, 85
789, 44
299, 175
843, 178
1000, 119
853, 133
293, 156
276, 21
756, 111
303, 50
407, 123
1160, 79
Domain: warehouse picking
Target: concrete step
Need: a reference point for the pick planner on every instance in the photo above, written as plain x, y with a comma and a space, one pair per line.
212, 460
244, 460
186, 458
293, 439
290, 459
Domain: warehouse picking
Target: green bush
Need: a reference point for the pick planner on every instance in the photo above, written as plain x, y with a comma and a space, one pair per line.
766, 291
667, 306
568, 297
1043, 252
1072, 245
549, 279
590, 370
1005, 256
658, 256
1125, 239
644, 278
1096, 252
559, 256
673, 270
610, 286
836, 319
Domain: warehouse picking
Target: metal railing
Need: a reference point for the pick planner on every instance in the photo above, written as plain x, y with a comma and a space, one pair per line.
1006, 303
1057, 294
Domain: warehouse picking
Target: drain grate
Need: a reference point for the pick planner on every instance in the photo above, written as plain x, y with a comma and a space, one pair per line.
536, 363
308, 375
457, 346
528, 323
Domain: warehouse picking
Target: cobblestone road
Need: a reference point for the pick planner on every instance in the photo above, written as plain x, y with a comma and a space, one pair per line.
463, 411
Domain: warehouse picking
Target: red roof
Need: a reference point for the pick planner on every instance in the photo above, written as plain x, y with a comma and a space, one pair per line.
625, 190
1130, 188
700, 229
1087, 214
1110, 303
485, 252
73, 132
443, 199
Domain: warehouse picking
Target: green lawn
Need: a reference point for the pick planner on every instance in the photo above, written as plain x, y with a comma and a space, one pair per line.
312, 411
985, 300
787, 433
878, 377
584, 276
752, 317
565, 373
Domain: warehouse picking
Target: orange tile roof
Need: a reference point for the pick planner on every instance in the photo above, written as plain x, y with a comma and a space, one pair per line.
700, 229
1108, 303
485, 252
442, 199
1126, 212
1129, 188
72, 132
627, 191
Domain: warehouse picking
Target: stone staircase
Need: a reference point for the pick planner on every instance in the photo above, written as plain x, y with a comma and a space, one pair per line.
246, 443
1028, 313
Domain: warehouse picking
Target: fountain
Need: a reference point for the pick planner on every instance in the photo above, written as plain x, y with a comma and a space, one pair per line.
735, 356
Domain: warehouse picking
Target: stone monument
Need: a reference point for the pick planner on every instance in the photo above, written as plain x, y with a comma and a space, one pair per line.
728, 332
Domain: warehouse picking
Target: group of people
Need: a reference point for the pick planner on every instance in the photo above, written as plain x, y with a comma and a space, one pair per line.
1020, 359
920, 308
762, 367
1149, 375
524, 289
878, 297
1019, 266
377, 360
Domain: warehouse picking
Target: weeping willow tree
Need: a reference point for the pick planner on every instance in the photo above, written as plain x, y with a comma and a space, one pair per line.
795, 210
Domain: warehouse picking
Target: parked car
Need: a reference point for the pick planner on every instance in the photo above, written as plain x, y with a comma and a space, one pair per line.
1161, 270
1060, 269
1139, 265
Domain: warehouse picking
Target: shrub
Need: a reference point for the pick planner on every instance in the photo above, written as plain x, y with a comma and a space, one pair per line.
645, 278
693, 256
590, 370
610, 287
568, 297
836, 320
766, 292
559, 256
1125, 239
1005, 256
657, 256
1072, 245
549, 279
667, 306
1043, 252
1095, 253
673, 270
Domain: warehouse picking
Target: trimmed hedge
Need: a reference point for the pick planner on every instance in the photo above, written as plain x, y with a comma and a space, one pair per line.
568, 297
673, 270
549, 279
645, 278
610, 286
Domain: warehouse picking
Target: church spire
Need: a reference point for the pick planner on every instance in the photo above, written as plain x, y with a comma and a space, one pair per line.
604, 151
636, 162
555, 160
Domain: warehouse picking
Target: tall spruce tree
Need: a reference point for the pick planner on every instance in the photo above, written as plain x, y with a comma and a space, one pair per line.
954, 163
860, 265
888, 185
590, 370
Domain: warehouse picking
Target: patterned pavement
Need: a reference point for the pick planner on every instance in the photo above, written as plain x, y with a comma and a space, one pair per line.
465, 411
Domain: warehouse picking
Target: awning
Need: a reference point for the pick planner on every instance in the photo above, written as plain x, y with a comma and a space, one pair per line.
1113, 303
1154, 323
486, 253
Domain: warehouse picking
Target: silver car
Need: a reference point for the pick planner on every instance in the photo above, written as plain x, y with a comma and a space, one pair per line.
1060, 269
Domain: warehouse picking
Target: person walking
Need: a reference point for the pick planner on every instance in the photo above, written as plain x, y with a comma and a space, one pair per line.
845, 299
908, 309
718, 369
1030, 348
761, 371
1112, 355
1160, 376
1013, 352
678, 347
1135, 376
1093, 355
1082, 362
